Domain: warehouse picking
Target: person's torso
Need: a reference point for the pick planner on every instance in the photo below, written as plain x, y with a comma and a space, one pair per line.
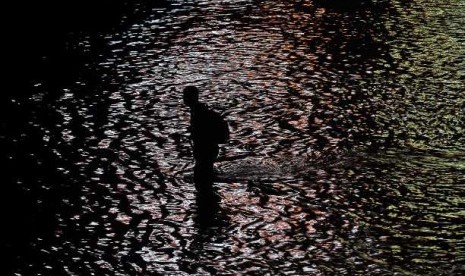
204, 130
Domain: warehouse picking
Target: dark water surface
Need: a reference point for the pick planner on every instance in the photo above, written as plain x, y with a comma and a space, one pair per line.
347, 153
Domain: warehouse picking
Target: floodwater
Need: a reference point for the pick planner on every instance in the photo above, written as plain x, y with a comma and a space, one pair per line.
347, 150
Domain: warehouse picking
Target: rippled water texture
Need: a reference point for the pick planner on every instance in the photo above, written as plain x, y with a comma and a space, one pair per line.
347, 153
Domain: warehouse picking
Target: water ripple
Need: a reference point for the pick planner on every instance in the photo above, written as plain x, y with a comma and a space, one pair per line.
346, 154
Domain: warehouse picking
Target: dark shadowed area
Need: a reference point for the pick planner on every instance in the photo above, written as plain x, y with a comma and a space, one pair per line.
346, 155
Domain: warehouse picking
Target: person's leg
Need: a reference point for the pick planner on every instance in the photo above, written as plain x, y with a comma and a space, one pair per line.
204, 159
203, 177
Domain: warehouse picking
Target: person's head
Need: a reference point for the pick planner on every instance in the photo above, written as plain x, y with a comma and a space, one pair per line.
190, 95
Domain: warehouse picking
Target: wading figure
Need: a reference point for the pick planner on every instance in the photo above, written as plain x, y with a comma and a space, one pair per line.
208, 130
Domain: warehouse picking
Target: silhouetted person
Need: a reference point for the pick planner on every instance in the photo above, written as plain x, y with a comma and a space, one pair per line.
208, 130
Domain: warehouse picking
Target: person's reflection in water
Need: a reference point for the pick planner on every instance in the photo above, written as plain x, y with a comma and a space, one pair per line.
208, 130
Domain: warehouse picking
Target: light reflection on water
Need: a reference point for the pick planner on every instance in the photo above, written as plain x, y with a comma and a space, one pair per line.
346, 154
